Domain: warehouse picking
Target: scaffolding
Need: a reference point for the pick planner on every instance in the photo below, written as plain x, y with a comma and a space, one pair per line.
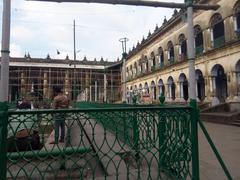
98, 85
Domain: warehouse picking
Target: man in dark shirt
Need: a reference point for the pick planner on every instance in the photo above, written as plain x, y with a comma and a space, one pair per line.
60, 101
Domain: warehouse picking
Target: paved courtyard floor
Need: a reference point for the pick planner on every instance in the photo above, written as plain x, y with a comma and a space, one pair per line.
227, 140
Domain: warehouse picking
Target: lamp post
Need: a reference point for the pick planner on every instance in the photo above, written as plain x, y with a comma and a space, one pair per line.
124, 56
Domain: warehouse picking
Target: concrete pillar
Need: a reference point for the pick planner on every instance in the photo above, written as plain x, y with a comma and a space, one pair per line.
90, 93
228, 29
96, 91
206, 39
178, 91
207, 80
23, 84
105, 88
236, 86
45, 84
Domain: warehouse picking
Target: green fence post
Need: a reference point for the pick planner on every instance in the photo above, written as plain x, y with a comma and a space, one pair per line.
194, 139
3, 140
161, 133
135, 135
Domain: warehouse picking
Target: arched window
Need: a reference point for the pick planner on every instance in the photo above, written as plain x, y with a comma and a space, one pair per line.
161, 57
182, 47
170, 52
135, 69
147, 64
127, 74
146, 88
131, 72
153, 63
140, 66
198, 40
217, 30
237, 18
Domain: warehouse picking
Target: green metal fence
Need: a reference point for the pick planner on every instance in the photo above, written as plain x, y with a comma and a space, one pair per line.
118, 143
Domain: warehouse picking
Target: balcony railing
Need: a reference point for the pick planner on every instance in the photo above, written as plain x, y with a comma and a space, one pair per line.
199, 50
171, 61
161, 65
153, 68
218, 42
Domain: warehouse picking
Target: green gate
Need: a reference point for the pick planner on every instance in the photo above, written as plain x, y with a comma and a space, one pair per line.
109, 143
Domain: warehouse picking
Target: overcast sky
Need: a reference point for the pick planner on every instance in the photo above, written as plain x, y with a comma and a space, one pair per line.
40, 28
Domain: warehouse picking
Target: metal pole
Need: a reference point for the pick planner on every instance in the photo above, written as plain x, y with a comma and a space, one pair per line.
139, 3
124, 80
4, 83
74, 59
192, 90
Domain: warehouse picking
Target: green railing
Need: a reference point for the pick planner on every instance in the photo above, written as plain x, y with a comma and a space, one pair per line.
171, 61
199, 50
134, 142
218, 42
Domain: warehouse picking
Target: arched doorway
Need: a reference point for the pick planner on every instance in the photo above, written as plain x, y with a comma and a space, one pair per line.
183, 83
171, 88
219, 82
161, 87
200, 85
153, 90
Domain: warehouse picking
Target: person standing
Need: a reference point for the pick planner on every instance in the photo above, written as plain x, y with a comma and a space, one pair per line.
60, 101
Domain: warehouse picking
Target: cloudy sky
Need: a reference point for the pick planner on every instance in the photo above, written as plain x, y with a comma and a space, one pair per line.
41, 28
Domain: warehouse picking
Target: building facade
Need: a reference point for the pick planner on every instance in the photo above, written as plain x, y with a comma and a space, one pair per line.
158, 64
96, 81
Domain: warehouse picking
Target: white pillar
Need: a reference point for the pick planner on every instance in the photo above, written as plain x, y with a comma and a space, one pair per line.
105, 87
181, 90
90, 93
95, 91
170, 91
191, 55
6, 18
214, 85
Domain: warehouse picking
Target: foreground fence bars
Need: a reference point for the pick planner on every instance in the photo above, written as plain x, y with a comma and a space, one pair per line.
138, 142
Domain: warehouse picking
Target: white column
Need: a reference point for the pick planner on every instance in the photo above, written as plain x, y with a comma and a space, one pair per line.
211, 36
235, 23
95, 91
105, 88
191, 55
170, 91
90, 93
160, 90
214, 85
6, 18
181, 90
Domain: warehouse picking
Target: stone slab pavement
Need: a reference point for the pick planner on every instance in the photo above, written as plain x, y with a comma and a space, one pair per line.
227, 140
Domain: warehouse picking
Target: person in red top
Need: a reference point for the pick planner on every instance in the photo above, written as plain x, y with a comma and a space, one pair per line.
60, 101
